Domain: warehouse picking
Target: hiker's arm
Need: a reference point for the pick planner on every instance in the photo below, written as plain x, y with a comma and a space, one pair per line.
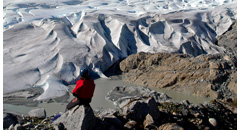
76, 90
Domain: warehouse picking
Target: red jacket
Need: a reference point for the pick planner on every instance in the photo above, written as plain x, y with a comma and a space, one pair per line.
84, 88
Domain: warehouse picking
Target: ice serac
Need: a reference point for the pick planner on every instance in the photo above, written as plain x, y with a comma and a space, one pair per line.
29, 55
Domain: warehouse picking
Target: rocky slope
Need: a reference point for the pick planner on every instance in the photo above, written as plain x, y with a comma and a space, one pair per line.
205, 75
229, 40
150, 111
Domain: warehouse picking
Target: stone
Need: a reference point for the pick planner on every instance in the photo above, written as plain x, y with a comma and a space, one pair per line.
170, 126
185, 112
9, 119
138, 109
18, 127
60, 126
214, 65
28, 125
78, 118
200, 121
185, 102
37, 113
212, 121
148, 122
197, 115
11, 127
40, 126
113, 121
130, 124
108, 116
105, 113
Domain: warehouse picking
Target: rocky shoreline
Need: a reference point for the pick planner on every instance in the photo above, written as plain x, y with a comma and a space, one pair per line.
143, 109
205, 75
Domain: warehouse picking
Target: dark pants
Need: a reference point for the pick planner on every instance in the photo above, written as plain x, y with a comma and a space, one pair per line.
78, 101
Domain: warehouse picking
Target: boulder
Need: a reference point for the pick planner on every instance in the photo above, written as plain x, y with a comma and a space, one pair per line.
148, 123
138, 109
78, 118
213, 122
11, 127
18, 127
130, 124
28, 125
170, 126
59, 126
9, 119
37, 113
107, 116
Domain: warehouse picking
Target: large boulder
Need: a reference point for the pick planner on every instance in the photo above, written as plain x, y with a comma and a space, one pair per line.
37, 113
138, 109
109, 119
78, 118
9, 119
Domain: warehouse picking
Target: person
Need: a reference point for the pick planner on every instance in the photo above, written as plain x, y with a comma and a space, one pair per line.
83, 90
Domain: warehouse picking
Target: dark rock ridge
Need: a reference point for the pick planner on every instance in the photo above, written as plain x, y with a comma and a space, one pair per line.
134, 112
205, 75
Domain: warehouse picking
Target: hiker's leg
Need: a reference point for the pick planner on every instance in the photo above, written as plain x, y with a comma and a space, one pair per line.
85, 102
72, 104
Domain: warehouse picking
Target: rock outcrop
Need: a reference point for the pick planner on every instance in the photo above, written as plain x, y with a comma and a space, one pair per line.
78, 118
204, 75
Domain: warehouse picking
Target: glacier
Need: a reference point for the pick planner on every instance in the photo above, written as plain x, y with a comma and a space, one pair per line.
45, 43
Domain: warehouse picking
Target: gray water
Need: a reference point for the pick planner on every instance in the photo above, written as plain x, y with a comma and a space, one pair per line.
103, 86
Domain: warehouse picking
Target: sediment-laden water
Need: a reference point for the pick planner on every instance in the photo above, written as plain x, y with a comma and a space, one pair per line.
103, 86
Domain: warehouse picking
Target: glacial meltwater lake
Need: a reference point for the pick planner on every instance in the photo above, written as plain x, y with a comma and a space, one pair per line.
103, 86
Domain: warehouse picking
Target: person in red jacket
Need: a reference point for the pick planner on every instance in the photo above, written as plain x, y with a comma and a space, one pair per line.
83, 90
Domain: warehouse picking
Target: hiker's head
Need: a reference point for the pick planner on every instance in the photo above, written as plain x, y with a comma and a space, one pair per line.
84, 72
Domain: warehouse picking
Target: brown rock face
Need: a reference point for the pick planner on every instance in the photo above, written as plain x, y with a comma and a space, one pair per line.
204, 75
